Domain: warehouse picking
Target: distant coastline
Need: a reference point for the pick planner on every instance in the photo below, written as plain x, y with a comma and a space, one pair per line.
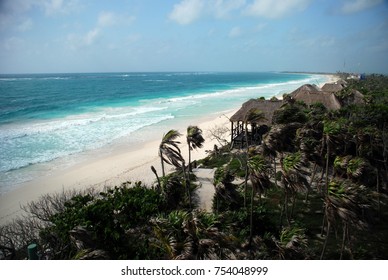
129, 158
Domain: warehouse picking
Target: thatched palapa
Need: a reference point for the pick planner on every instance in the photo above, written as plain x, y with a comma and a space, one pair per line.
311, 94
333, 87
255, 128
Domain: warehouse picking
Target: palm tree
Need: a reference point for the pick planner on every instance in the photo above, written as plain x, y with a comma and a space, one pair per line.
258, 170
294, 179
292, 243
194, 140
331, 131
345, 202
169, 151
183, 235
252, 116
157, 178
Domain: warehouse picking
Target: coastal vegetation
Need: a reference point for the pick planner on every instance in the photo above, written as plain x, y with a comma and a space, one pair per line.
314, 187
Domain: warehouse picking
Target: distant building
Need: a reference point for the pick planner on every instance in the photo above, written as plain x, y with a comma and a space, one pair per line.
311, 94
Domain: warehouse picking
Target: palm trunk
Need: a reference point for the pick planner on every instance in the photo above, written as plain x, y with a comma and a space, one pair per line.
187, 183
162, 163
311, 181
286, 208
327, 237
324, 220
251, 219
281, 215
378, 192
246, 166
293, 205
274, 168
189, 157
246, 183
327, 165
157, 178
344, 228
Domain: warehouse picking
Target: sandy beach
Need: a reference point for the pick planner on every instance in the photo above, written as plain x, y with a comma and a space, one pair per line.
121, 165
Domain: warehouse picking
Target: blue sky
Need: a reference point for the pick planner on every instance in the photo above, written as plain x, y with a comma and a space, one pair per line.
57, 36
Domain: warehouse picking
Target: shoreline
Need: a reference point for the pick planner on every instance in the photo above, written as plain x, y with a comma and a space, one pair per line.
111, 166
122, 164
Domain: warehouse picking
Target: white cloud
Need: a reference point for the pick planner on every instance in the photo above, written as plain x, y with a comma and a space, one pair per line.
299, 38
222, 8
355, 6
54, 7
235, 32
187, 11
260, 27
76, 41
276, 8
106, 19
91, 36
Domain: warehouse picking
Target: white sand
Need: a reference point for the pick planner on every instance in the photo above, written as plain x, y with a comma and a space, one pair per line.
123, 164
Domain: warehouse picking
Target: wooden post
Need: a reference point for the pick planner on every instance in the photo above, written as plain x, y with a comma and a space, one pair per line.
32, 251
232, 134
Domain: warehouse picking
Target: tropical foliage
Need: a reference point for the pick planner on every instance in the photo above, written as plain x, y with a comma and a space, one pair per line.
318, 186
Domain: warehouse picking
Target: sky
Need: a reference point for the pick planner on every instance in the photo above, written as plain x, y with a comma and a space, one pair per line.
66, 36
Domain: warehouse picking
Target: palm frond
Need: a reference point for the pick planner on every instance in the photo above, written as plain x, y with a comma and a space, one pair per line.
170, 136
194, 137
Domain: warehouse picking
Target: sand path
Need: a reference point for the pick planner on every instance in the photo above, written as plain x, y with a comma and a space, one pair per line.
206, 189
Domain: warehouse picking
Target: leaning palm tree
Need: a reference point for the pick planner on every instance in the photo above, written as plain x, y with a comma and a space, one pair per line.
331, 130
258, 170
294, 179
171, 154
251, 117
194, 140
169, 151
346, 202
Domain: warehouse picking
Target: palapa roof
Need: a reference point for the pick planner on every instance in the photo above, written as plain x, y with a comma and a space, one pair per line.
353, 96
305, 88
311, 94
358, 97
268, 107
333, 87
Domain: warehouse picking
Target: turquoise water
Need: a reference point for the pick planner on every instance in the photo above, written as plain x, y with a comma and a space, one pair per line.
45, 117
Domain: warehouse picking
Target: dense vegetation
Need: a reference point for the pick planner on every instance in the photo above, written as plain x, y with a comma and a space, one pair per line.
315, 188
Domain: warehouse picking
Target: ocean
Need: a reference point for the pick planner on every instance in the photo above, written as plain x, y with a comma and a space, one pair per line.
46, 119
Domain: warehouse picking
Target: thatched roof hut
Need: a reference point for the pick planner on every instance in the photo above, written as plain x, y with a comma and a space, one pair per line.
305, 88
333, 87
268, 107
255, 129
311, 94
352, 96
358, 97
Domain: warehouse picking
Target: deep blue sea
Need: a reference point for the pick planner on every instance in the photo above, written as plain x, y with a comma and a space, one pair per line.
44, 117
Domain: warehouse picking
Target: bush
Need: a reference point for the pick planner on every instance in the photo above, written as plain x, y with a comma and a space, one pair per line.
110, 220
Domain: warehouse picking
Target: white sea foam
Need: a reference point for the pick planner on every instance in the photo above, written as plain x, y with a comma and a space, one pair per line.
41, 141
45, 141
